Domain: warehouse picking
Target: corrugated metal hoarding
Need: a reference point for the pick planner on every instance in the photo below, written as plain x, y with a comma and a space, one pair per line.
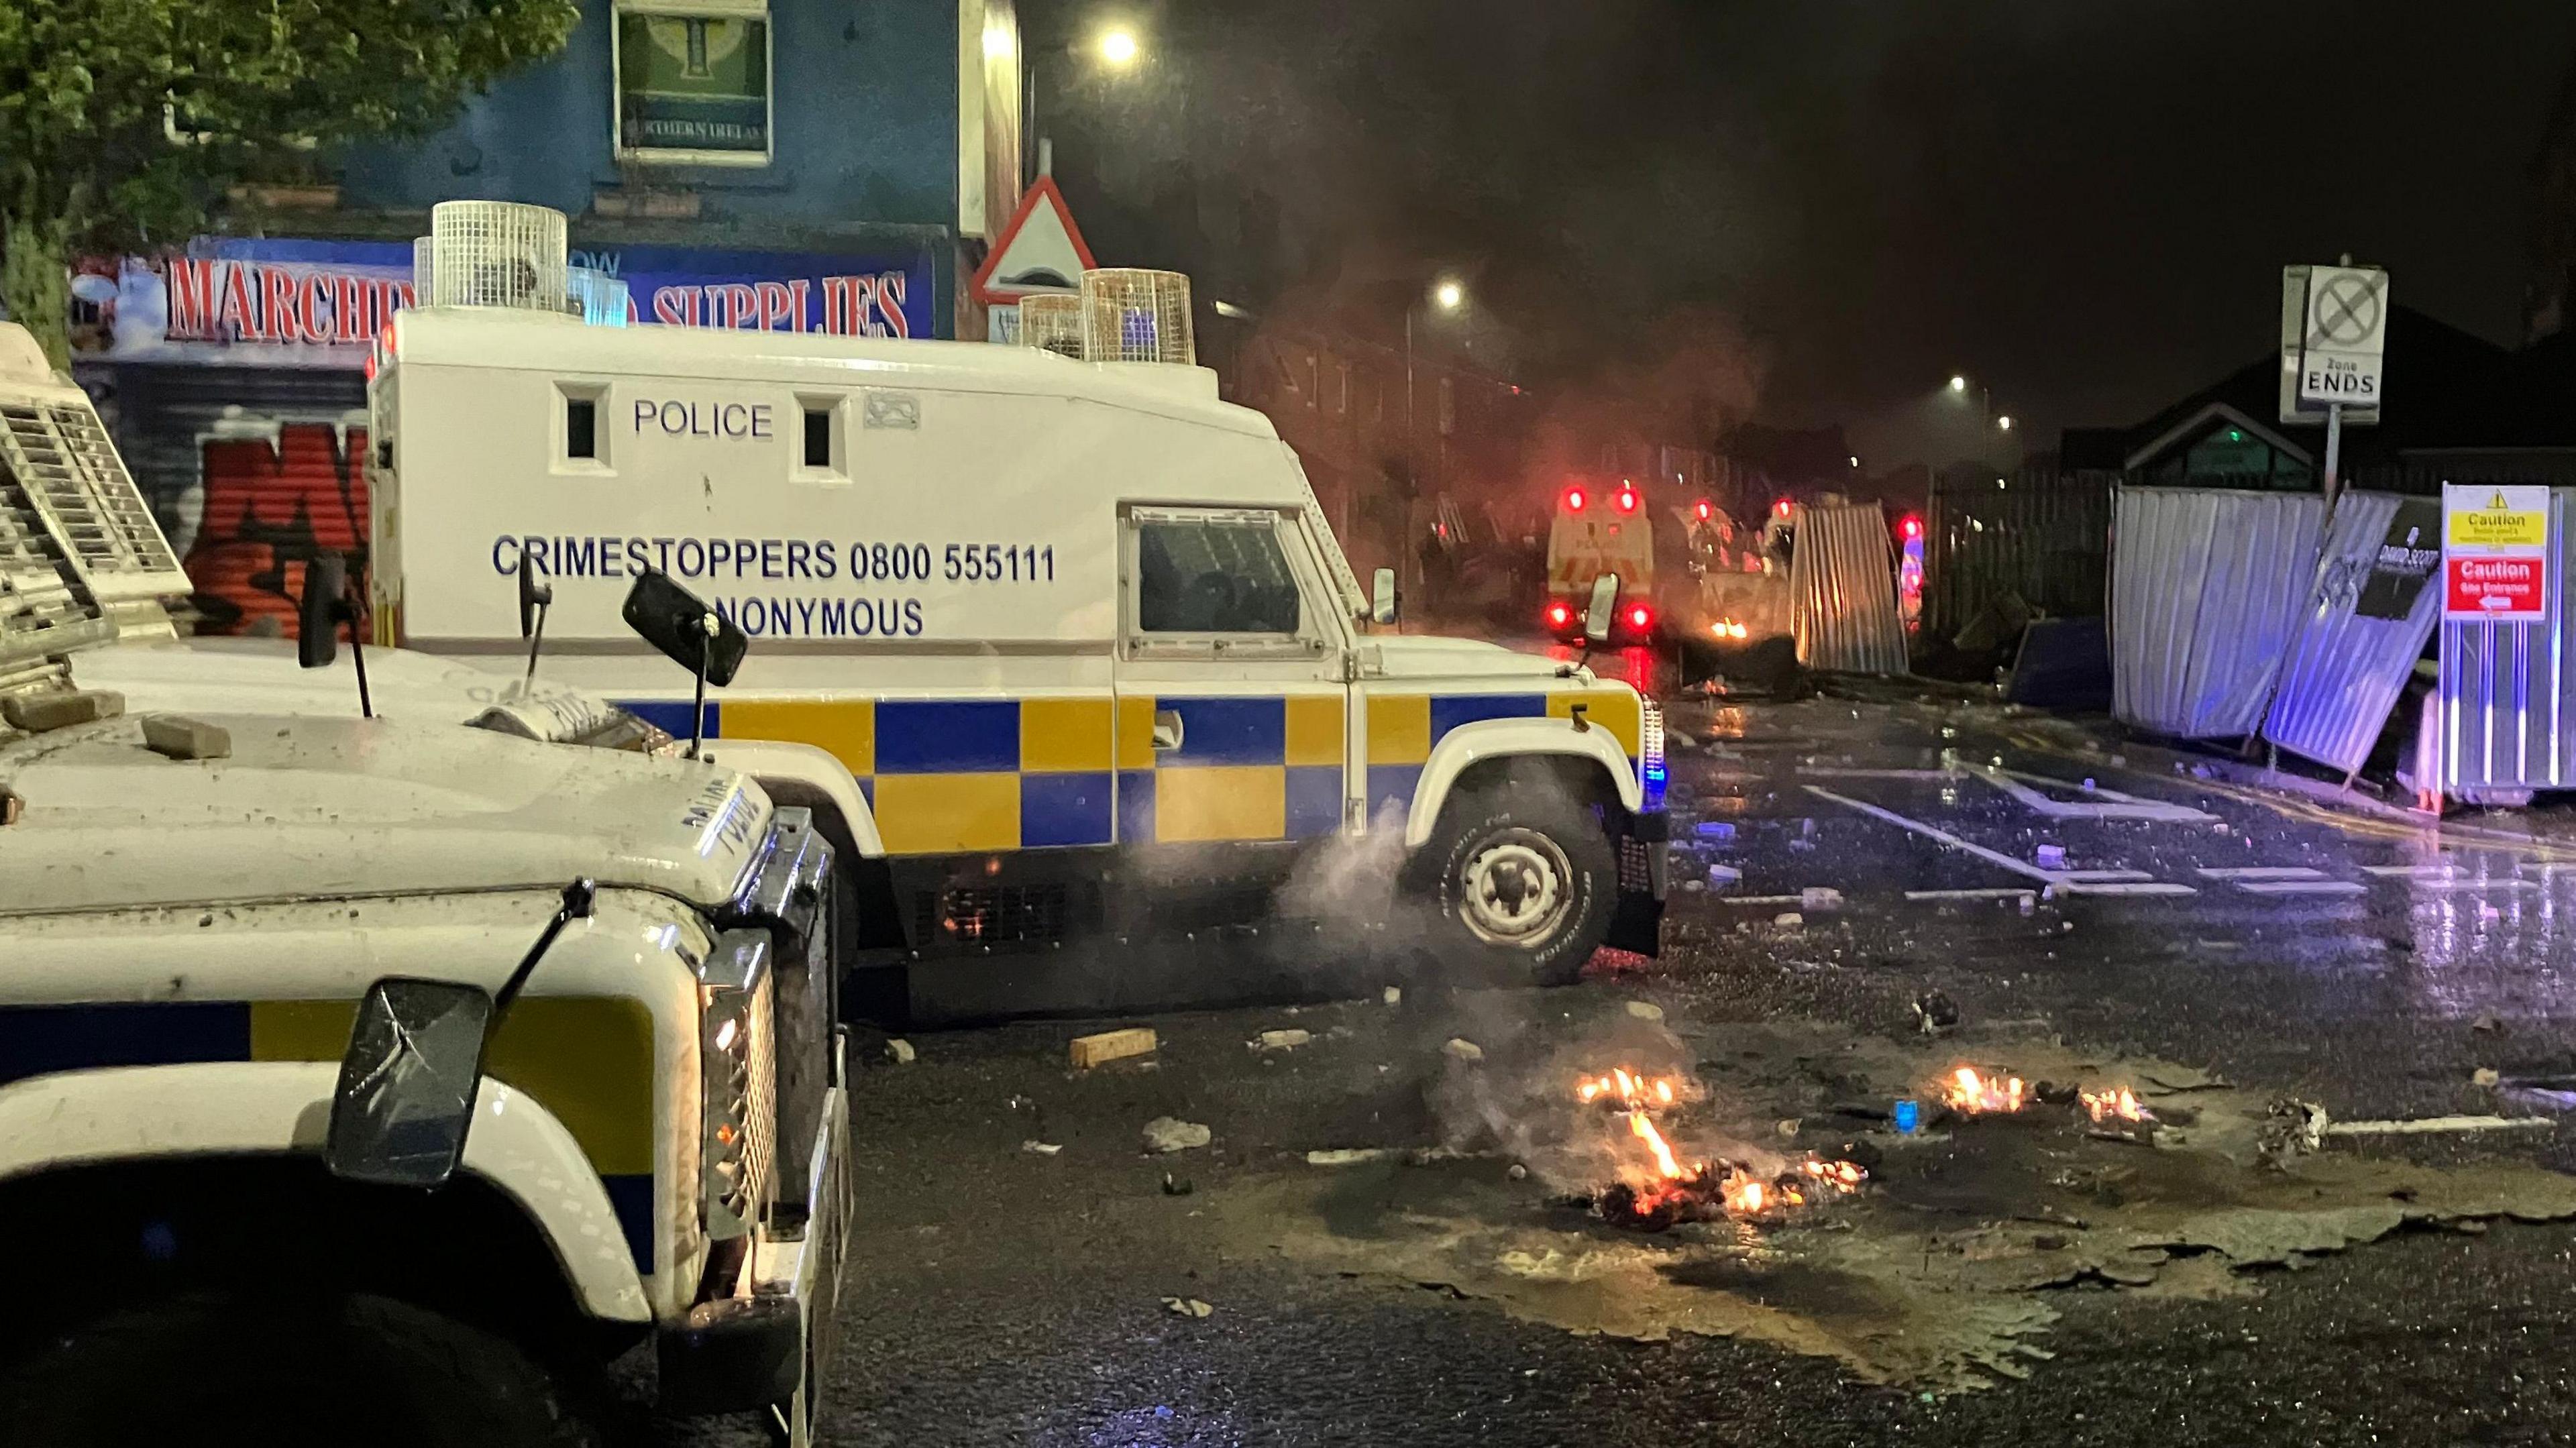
2208, 587
1842, 586
2508, 692
2374, 606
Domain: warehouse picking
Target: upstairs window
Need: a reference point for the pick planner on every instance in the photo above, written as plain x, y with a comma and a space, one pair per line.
693, 82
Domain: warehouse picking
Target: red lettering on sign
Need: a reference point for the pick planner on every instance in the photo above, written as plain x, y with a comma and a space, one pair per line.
2496, 587
192, 298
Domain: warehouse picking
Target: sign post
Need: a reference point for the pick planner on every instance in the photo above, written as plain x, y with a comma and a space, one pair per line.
2495, 553
2331, 352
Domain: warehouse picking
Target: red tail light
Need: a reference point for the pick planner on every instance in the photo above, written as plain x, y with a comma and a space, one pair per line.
1781, 507
1705, 509
1912, 525
1558, 615
1574, 500
1627, 500
1640, 616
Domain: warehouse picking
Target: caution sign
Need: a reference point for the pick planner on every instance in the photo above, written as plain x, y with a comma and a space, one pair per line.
2495, 553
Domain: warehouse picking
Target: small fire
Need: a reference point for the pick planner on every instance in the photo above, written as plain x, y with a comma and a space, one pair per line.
1975, 1094
2119, 1105
1665, 1188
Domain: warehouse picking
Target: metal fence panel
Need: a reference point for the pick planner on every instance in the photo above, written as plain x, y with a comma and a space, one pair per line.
2207, 589
2505, 691
1842, 586
2042, 536
2347, 668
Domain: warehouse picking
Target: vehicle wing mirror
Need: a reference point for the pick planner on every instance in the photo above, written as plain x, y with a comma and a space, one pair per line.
689, 633
1382, 597
533, 595
318, 612
407, 1084
1605, 603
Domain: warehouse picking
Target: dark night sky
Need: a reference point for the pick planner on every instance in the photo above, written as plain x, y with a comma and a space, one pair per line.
2084, 203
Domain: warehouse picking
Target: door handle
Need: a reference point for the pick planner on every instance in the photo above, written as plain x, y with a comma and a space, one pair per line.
1167, 729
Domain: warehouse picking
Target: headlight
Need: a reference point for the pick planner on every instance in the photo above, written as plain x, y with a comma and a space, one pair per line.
1650, 752
737, 1108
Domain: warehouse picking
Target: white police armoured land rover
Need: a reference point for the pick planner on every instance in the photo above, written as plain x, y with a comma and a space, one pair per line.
1079, 629
381, 1071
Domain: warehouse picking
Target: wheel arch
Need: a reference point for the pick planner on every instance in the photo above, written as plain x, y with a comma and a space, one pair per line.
1587, 761
268, 1118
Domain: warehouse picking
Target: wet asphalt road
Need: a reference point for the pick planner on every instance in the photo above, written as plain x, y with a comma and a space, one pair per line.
1007, 1296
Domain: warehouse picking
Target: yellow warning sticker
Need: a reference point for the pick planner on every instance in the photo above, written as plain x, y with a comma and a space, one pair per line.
2499, 523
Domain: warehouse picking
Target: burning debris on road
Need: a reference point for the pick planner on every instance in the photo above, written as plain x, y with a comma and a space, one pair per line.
1660, 1190
1972, 1093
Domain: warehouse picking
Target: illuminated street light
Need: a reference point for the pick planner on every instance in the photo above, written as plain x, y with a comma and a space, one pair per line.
1449, 295
1958, 383
1118, 46
2004, 423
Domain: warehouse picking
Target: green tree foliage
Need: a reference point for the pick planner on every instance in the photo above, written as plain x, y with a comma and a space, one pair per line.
123, 121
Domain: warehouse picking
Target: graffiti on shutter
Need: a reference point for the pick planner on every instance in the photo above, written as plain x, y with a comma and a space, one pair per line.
268, 512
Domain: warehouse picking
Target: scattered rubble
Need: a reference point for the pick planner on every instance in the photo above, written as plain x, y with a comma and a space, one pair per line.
1041, 1148
1356, 1155
2485, 1076
1820, 899
1287, 1040
1935, 1013
2050, 857
1177, 1186
1459, 1048
899, 1051
1167, 1134
1789, 920
1393, 995
175, 737
2488, 1025
41, 713
1186, 1307
1646, 1011
1086, 1052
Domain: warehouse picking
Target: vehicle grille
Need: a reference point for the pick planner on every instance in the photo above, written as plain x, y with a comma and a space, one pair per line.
63, 461
989, 915
1636, 866
760, 1105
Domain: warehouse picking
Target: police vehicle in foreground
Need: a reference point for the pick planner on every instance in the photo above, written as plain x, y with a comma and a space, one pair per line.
1078, 628
380, 1079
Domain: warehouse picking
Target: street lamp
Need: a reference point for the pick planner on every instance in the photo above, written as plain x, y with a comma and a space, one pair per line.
1958, 383
1116, 46
1448, 295
2004, 423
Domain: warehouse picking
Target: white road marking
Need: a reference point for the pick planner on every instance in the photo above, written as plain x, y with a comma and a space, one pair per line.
2413, 872
1761, 899
2089, 877
1844, 771
2005, 892
2120, 806
2058, 879
2463, 884
2301, 887
2260, 872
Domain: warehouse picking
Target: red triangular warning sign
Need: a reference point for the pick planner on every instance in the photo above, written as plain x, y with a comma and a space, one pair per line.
1040, 251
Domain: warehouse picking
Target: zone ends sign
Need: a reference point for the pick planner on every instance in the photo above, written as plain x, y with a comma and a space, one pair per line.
2334, 335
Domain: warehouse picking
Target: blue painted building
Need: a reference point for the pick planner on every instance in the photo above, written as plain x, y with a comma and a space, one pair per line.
784, 165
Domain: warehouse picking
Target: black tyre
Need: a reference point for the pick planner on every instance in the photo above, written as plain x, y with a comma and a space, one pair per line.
1523, 882
227, 1367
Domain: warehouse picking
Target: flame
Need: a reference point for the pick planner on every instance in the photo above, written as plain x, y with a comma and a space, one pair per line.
1842, 1176
1644, 1130
1632, 1090
1746, 1195
1969, 1092
2118, 1105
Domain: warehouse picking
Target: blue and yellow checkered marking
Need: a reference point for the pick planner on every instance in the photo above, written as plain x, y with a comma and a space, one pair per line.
587, 1060
965, 776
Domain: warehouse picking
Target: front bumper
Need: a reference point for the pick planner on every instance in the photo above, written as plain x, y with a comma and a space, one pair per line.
749, 1353
1645, 879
